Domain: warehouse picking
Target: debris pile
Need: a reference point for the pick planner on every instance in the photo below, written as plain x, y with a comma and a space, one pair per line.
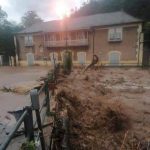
97, 125
96, 122
23, 88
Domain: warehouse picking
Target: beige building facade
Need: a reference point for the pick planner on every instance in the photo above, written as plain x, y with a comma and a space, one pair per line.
116, 40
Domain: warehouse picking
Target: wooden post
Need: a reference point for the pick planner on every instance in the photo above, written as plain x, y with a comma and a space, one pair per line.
36, 106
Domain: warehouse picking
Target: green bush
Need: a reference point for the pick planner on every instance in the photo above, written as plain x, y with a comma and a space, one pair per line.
50, 76
28, 146
67, 62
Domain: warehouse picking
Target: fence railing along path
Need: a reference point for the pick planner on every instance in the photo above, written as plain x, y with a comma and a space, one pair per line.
26, 116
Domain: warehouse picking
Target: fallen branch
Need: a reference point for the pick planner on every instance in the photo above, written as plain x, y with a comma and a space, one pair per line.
94, 62
125, 136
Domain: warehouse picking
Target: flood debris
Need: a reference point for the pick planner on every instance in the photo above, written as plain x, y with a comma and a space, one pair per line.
115, 81
23, 88
134, 89
96, 126
90, 121
6, 89
93, 63
96, 120
115, 120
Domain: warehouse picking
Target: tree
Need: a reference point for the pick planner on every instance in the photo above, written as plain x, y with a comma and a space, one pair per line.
7, 30
30, 18
137, 8
3, 16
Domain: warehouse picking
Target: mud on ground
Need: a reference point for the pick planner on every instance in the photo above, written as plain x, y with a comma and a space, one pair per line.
108, 108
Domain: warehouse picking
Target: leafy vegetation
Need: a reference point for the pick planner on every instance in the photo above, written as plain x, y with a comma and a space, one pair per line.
67, 62
147, 34
137, 8
30, 18
28, 146
7, 31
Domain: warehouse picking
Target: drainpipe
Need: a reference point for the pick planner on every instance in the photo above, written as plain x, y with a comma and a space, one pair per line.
140, 35
139, 48
66, 33
93, 40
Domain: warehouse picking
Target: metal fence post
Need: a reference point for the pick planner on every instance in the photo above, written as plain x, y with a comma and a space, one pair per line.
47, 96
65, 141
8, 140
28, 124
36, 106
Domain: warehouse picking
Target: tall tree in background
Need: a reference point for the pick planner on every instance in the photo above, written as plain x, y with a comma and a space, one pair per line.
3, 16
30, 18
137, 8
7, 30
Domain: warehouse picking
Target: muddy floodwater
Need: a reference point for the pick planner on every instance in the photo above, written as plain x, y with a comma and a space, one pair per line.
15, 77
95, 100
108, 108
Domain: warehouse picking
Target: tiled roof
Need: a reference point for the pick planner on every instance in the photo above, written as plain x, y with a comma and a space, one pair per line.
85, 22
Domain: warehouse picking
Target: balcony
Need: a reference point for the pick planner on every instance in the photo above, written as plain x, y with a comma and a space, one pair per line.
29, 44
62, 43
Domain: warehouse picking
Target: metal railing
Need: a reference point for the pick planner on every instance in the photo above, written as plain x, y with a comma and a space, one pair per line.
62, 43
27, 117
29, 43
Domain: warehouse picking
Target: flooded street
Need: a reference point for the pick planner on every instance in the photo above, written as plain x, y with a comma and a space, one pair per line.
15, 77
105, 105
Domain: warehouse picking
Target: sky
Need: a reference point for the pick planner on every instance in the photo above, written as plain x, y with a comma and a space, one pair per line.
46, 9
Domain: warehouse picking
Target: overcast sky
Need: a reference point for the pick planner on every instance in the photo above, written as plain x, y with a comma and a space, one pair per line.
44, 8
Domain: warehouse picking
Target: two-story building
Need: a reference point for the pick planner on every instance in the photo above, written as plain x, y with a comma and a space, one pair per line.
114, 37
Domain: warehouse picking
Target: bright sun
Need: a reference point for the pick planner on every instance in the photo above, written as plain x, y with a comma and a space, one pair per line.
62, 10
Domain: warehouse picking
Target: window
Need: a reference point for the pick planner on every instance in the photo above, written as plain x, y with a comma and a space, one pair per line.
46, 37
115, 34
73, 35
81, 35
57, 36
52, 37
41, 49
54, 58
28, 40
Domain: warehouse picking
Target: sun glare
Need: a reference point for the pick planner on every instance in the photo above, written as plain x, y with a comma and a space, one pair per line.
62, 10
